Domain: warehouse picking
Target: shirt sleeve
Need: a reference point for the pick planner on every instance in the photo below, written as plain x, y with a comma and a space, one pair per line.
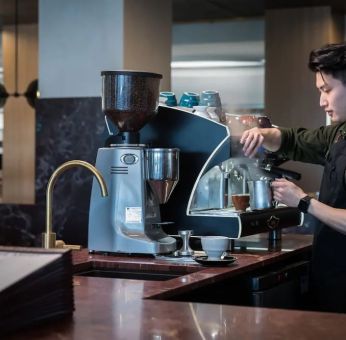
310, 146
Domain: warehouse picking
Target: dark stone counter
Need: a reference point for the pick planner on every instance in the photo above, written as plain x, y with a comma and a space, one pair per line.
115, 309
195, 275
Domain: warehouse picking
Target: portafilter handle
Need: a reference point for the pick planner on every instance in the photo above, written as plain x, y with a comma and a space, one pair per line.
185, 250
279, 172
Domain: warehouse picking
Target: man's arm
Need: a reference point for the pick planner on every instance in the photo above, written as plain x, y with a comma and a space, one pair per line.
290, 194
333, 217
252, 139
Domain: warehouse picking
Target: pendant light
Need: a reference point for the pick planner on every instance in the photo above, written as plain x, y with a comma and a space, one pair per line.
31, 92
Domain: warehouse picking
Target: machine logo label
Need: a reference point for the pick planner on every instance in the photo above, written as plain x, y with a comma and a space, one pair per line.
133, 215
273, 222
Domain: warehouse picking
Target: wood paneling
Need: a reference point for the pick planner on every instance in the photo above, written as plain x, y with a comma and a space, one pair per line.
19, 117
148, 43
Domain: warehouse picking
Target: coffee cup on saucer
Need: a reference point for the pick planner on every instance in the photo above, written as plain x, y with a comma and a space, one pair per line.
215, 246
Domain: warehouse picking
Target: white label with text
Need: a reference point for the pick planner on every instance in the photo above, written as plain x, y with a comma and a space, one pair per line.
133, 215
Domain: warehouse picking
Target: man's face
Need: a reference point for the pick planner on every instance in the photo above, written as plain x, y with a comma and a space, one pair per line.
332, 96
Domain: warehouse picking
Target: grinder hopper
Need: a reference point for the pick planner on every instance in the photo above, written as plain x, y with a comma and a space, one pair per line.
130, 99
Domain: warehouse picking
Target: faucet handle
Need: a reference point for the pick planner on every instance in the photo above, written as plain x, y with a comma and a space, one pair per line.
61, 244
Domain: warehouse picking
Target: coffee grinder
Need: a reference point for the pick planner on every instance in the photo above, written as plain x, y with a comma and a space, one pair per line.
138, 178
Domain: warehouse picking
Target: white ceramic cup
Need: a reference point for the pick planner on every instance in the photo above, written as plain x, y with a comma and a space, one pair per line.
212, 111
215, 246
201, 111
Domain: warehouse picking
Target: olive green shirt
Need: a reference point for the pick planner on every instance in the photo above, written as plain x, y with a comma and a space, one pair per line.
310, 146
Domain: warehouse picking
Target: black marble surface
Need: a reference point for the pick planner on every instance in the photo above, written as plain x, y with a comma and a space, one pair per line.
67, 128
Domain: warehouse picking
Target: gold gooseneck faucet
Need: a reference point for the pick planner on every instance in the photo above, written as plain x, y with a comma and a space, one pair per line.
49, 238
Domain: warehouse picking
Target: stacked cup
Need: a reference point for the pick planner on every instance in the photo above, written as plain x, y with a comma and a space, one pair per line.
189, 99
212, 100
168, 98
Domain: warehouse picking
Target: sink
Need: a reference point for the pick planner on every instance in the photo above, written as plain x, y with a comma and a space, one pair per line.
99, 269
130, 274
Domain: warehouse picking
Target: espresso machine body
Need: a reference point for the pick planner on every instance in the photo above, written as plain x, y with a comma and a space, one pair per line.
141, 173
198, 201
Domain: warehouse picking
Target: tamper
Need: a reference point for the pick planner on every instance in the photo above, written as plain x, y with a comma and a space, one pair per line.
185, 250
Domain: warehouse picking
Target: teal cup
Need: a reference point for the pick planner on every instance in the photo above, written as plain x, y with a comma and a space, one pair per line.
189, 99
210, 98
168, 98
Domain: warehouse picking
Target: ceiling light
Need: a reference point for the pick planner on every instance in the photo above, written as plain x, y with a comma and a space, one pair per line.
215, 64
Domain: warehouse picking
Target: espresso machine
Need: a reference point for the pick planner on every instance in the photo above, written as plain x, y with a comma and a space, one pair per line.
139, 178
212, 168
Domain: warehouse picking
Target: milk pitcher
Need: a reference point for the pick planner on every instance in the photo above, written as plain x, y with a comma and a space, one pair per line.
261, 194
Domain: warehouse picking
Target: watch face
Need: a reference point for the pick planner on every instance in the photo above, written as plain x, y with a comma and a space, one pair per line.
304, 203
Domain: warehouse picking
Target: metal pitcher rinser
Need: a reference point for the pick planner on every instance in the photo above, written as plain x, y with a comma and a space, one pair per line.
261, 195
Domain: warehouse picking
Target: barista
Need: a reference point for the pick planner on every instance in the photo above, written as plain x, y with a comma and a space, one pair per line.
326, 146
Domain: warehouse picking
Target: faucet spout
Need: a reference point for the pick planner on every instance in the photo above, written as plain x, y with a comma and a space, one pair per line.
49, 238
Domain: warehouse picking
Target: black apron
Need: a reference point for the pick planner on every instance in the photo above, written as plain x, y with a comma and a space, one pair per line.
328, 265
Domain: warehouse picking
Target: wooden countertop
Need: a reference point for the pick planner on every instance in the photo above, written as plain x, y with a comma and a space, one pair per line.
115, 309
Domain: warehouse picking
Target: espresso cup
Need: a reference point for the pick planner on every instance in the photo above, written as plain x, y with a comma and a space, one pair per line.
213, 113
241, 201
210, 98
215, 246
189, 99
201, 111
168, 98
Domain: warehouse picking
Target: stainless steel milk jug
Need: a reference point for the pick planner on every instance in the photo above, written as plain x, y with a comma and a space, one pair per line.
261, 195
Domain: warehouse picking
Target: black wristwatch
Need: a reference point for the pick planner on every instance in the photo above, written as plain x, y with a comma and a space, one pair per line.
304, 204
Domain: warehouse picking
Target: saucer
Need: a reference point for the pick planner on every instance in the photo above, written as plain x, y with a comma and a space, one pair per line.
220, 263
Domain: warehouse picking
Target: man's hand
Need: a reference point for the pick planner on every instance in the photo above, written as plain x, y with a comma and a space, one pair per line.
287, 192
252, 140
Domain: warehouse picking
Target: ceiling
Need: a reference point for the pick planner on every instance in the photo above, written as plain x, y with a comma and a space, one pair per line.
27, 11
183, 10
210, 10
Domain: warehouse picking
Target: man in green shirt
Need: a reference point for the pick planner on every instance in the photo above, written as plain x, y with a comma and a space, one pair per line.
326, 146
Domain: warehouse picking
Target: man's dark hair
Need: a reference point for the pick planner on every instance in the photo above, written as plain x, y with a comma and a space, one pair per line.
330, 59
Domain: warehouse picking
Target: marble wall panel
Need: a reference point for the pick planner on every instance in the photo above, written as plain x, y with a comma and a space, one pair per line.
67, 128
